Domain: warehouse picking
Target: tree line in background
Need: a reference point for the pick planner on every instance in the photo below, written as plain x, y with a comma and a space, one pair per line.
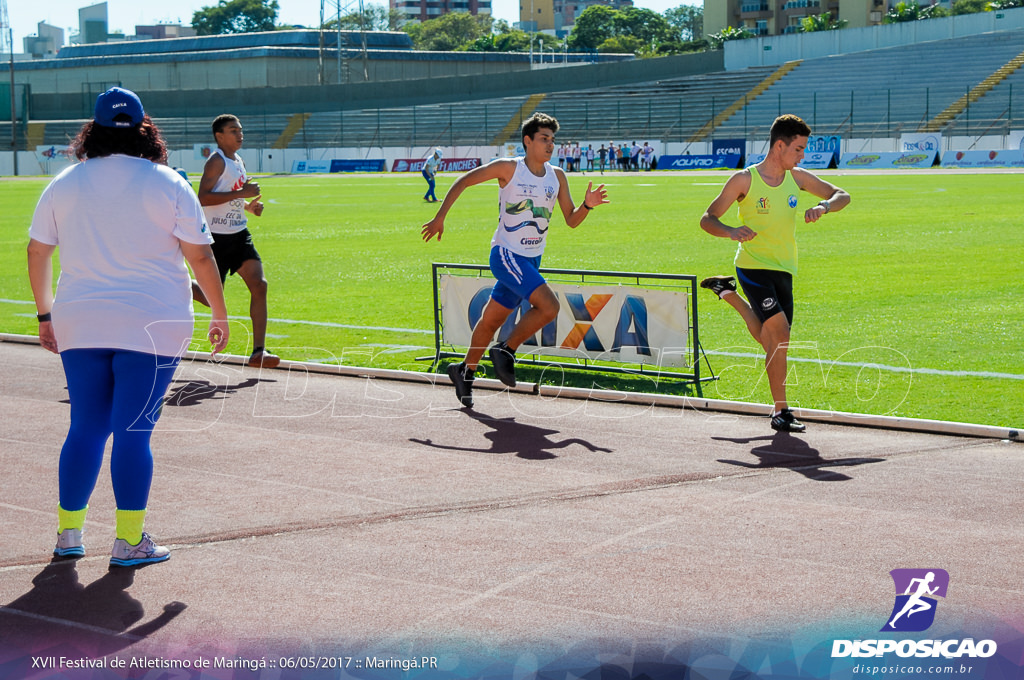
598, 28
900, 12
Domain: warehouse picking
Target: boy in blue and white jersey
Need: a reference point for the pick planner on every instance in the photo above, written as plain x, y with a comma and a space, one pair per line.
530, 187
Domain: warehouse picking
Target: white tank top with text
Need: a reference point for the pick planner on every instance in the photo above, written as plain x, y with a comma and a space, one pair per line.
230, 217
525, 206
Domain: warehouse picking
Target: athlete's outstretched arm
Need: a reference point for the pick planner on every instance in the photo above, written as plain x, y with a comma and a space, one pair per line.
501, 170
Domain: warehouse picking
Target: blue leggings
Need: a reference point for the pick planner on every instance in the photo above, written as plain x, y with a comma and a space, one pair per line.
430, 184
112, 392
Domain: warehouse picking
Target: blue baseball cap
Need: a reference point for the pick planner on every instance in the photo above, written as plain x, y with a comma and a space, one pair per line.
117, 101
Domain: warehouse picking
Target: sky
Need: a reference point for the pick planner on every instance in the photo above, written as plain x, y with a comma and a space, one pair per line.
123, 15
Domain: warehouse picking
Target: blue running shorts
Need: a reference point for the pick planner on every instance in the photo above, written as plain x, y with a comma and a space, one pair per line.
517, 276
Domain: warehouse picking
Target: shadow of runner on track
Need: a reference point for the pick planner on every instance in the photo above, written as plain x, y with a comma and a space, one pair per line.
786, 451
90, 611
195, 392
508, 436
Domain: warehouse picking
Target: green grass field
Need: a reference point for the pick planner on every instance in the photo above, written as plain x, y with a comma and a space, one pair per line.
920, 279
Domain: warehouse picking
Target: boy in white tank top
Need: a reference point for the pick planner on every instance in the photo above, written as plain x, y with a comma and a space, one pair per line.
223, 191
529, 190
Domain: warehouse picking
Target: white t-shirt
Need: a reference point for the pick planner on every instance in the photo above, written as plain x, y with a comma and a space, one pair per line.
525, 206
118, 222
431, 165
230, 217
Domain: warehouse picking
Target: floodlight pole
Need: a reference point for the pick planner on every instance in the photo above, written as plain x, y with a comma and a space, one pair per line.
14, 111
533, 34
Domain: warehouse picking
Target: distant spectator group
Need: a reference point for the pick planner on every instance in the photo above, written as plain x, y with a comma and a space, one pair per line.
622, 157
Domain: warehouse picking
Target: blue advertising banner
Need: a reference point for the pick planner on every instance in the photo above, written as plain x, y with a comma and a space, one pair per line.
888, 160
825, 144
812, 160
728, 146
702, 162
817, 160
301, 167
359, 165
340, 165
1005, 158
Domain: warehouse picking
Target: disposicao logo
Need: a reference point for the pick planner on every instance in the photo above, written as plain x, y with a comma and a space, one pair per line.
914, 611
916, 592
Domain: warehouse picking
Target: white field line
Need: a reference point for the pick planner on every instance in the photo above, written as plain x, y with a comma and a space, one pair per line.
740, 355
880, 367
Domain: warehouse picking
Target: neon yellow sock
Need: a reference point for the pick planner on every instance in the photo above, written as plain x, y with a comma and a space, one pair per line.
129, 525
70, 519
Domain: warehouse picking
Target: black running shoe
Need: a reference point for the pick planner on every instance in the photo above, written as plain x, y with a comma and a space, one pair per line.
504, 361
463, 384
719, 284
785, 421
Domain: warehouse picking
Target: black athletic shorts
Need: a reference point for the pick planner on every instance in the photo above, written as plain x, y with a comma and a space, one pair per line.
232, 251
768, 292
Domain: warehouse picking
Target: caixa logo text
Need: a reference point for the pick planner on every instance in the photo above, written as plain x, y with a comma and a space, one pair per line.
628, 327
949, 649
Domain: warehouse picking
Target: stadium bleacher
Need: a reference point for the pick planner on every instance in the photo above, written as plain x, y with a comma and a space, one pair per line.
882, 93
872, 94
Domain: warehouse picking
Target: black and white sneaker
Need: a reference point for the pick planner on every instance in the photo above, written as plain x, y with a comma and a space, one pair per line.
785, 421
719, 284
463, 383
504, 361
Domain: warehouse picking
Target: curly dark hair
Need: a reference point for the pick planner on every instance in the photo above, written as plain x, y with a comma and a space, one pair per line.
536, 122
142, 141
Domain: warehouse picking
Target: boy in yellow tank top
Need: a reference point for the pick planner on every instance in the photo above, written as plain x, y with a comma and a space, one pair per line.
766, 259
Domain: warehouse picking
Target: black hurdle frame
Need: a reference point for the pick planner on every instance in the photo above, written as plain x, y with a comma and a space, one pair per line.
583, 364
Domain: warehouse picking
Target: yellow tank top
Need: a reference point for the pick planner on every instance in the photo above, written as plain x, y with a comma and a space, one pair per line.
771, 212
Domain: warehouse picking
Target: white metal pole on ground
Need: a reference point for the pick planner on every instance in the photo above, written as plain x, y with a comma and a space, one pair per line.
640, 398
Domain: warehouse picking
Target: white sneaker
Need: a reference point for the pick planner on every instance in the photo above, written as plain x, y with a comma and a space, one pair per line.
146, 552
69, 544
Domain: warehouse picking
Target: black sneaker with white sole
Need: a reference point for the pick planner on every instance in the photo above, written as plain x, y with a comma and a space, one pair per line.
719, 284
463, 383
504, 361
785, 421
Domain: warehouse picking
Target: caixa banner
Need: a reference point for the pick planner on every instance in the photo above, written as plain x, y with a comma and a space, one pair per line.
607, 323
447, 165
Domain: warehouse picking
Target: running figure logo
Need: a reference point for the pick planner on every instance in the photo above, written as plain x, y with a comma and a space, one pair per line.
914, 610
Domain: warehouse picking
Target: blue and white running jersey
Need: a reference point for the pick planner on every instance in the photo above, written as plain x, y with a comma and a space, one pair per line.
524, 211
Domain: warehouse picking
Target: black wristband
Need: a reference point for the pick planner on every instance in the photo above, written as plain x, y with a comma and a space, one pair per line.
826, 206
43, 317
586, 206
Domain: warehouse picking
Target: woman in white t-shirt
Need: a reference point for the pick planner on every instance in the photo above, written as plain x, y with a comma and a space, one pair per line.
125, 224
